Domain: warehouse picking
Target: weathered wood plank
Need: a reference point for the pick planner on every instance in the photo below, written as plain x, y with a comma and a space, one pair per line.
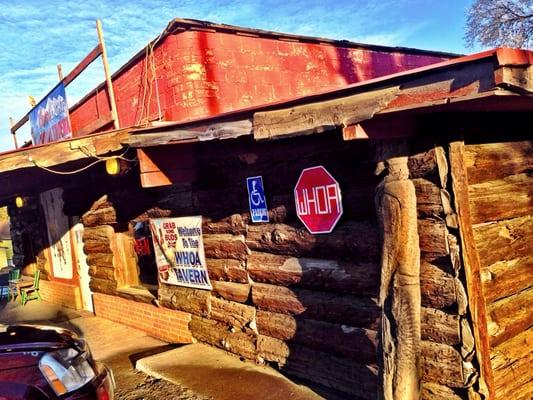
97, 239
166, 136
344, 309
194, 301
511, 362
100, 260
357, 344
218, 334
439, 326
325, 115
504, 240
225, 246
234, 224
506, 198
357, 241
505, 278
423, 165
472, 266
238, 292
490, 161
442, 364
103, 285
101, 216
510, 316
222, 269
234, 314
360, 279
428, 198
333, 372
434, 391
433, 235
436, 285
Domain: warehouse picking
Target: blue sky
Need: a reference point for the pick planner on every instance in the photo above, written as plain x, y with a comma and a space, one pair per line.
38, 35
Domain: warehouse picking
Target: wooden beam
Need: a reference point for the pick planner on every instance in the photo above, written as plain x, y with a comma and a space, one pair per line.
518, 79
59, 72
89, 58
321, 116
57, 153
199, 133
109, 82
95, 125
11, 123
472, 267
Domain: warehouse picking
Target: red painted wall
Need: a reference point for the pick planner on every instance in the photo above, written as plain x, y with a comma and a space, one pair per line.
203, 73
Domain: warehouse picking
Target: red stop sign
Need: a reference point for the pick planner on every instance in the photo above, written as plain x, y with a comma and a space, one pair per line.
318, 200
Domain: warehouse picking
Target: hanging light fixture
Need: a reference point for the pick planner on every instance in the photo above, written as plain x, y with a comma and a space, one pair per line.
112, 166
19, 201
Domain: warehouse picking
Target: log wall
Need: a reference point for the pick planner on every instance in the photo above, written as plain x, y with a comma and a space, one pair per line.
305, 303
447, 348
501, 201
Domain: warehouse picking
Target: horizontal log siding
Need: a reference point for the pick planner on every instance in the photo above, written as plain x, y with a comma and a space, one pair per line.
281, 295
501, 194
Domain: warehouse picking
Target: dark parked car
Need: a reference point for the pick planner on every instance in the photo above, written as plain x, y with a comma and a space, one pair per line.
44, 363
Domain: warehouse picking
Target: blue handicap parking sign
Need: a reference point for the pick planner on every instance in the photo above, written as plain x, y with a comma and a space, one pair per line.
256, 198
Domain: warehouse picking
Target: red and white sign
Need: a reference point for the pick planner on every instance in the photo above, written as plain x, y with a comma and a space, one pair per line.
318, 200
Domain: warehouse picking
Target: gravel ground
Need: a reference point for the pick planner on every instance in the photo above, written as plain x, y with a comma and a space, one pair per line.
145, 387
132, 384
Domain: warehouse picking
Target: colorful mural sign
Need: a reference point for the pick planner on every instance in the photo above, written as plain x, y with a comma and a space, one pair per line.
49, 119
179, 251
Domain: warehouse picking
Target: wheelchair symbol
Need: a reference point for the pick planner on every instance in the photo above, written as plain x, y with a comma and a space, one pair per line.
255, 196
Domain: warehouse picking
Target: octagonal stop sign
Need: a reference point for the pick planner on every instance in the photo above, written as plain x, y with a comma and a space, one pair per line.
318, 200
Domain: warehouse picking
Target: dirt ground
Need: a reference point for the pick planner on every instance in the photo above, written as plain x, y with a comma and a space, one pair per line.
135, 385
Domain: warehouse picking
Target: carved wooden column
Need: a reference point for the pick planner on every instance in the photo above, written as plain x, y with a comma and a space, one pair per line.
399, 294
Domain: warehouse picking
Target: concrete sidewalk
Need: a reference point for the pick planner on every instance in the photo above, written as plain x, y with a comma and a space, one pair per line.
199, 371
216, 374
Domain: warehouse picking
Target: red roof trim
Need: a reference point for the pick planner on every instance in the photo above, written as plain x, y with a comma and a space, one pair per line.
501, 56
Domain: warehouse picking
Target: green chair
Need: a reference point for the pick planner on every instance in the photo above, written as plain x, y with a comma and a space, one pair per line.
31, 292
4, 289
14, 276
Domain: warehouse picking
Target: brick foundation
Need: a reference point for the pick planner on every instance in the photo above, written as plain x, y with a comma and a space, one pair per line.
164, 324
61, 293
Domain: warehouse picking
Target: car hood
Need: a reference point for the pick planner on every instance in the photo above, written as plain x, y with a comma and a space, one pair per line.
35, 337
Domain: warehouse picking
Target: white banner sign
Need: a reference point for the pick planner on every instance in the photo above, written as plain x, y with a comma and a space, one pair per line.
58, 233
179, 251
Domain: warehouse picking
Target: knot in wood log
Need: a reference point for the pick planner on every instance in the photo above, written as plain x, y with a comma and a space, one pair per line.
278, 236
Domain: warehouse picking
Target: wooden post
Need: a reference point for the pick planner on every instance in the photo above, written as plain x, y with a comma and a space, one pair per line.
109, 82
399, 295
59, 72
11, 123
472, 267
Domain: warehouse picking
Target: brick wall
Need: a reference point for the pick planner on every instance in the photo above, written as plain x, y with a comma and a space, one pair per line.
162, 323
61, 293
202, 73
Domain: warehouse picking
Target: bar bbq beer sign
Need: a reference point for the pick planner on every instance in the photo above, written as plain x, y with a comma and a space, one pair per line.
318, 200
179, 251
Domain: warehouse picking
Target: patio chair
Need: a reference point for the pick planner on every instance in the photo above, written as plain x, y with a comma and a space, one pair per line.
14, 276
4, 288
31, 292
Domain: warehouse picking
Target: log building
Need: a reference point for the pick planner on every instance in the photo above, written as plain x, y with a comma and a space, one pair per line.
421, 290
